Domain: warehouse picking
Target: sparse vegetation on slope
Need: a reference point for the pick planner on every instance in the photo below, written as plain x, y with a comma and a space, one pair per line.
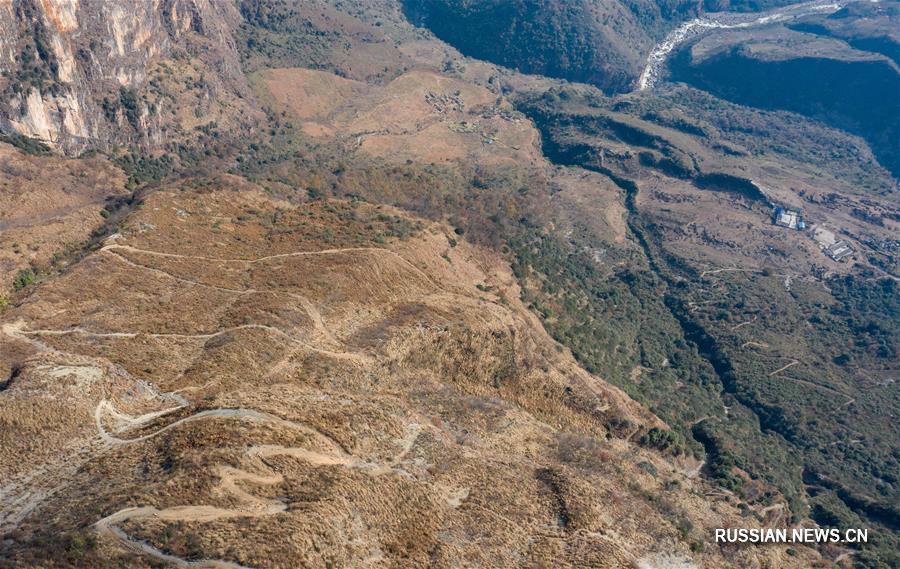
803, 367
327, 378
395, 333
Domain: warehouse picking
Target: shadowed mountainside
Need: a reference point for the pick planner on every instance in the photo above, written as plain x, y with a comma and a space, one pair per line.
851, 90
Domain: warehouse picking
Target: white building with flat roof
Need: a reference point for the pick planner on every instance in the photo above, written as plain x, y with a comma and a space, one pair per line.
788, 218
839, 251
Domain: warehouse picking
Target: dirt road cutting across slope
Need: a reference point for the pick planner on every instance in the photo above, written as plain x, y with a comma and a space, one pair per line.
250, 504
354, 356
378, 250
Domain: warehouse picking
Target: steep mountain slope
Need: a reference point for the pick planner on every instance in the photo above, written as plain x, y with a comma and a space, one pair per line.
764, 65
603, 42
276, 367
336, 401
600, 42
802, 349
48, 204
867, 26
820, 77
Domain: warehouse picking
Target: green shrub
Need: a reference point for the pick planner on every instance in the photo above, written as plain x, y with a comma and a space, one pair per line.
24, 278
26, 144
664, 440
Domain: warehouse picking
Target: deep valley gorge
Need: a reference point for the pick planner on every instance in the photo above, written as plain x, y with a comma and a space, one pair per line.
439, 283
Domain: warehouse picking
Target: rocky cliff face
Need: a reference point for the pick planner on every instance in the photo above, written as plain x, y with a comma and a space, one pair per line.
83, 73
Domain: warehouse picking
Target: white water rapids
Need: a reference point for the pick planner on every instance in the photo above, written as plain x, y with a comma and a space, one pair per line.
693, 28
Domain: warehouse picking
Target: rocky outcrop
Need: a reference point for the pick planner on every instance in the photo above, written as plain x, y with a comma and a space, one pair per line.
76, 72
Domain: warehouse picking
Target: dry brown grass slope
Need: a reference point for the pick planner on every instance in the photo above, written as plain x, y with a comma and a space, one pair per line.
48, 203
240, 380
421, 115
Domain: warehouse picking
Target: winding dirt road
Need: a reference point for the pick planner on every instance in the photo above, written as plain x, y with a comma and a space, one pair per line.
112, 247
250, 504
113, 426
128, 335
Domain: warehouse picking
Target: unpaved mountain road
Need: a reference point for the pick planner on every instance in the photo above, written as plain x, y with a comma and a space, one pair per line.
250, 504
22, 496
370, 250
129, 335
333, 454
